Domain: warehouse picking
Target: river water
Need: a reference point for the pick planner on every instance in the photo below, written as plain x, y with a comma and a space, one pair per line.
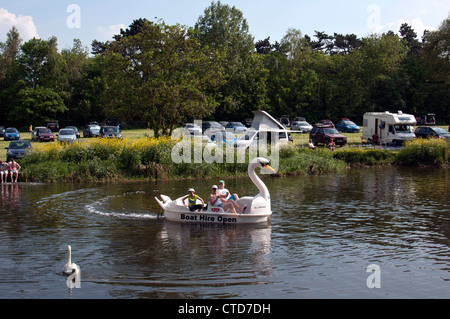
363, 233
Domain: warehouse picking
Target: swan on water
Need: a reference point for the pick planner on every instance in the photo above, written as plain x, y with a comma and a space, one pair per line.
70, 267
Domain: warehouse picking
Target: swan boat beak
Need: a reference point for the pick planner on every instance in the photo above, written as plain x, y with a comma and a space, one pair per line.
266, 166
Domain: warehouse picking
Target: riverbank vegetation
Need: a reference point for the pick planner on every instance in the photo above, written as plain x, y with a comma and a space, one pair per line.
102, 160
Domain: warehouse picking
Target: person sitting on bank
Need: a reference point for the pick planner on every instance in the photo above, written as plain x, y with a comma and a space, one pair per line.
332, 145
192, 201
4, 170
311, 145
14, 168
215, 199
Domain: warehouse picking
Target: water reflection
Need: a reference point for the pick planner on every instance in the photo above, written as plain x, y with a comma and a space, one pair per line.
325, 230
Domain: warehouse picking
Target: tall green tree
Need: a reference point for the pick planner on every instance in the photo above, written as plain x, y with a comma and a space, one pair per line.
435, 59
225, 29
160, 74
9, 75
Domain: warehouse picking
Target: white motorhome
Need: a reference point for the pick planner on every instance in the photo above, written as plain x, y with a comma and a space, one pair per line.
266, 128
388, 128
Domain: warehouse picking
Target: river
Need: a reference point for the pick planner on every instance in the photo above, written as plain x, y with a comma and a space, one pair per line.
363, 233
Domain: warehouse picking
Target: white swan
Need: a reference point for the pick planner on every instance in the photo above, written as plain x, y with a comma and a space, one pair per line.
70, 267
258, 207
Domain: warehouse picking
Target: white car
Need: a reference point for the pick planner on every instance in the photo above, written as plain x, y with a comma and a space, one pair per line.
66, 135
235, 127
193, 128
302, 126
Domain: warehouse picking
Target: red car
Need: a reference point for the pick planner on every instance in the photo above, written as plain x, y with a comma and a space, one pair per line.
326, 122
322, 134
45, 135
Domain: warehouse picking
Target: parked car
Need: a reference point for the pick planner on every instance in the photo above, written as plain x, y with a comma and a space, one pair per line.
345, 125
212, 126
322, 134
302, 126
75, 129
66, 135
35, 131
11, 133
113, 122
53, 125
223, 137
45, 135
2, 131
429, 119
110, 132
326, 122
17, 149
193, 128
91, 130
430, 132
235, 127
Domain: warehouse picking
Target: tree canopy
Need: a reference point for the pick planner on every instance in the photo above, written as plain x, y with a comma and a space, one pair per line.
165, 75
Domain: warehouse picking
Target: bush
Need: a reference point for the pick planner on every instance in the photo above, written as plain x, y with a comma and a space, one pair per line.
424, 152
365, 156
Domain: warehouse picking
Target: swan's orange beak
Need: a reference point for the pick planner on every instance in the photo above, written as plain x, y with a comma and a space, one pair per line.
268, 168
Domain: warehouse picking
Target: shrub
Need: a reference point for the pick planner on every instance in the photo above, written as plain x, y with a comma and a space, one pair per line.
424, 152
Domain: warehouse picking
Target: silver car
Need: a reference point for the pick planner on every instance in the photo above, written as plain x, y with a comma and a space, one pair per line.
66, 135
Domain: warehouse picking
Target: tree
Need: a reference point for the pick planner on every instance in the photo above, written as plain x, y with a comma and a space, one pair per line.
9, 76
435, 59
161, 75
36, 105
224, 29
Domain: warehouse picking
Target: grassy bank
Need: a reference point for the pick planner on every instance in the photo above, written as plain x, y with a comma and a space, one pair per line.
150, 158
141, 157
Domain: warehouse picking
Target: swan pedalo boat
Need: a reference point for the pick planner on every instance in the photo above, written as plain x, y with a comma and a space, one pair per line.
258, 208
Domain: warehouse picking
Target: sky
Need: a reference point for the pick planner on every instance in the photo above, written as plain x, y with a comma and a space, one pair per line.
90, 20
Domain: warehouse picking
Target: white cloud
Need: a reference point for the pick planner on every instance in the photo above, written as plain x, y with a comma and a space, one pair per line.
25, 25
416, 24
111, 30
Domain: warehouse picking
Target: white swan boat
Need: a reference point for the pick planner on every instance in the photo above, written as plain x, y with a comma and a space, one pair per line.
258, 207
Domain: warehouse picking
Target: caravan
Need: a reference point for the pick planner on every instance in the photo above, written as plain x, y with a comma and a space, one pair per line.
264, 129
388, 128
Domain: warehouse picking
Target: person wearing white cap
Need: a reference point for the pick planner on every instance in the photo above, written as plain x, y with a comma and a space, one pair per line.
215, 201
192, 200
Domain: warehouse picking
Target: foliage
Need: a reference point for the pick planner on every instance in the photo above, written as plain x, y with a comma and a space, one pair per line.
165, 75
365, 156
160, 75
424, 152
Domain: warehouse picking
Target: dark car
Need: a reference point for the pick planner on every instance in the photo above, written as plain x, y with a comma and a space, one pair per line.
110, 132
429, 119
2, 131
11, 133
91, 130
17, 149
322, 134
53, 126
345, 125
113, 122
430, 132
45, 135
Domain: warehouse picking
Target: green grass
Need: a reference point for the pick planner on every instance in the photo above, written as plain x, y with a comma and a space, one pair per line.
138, 157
